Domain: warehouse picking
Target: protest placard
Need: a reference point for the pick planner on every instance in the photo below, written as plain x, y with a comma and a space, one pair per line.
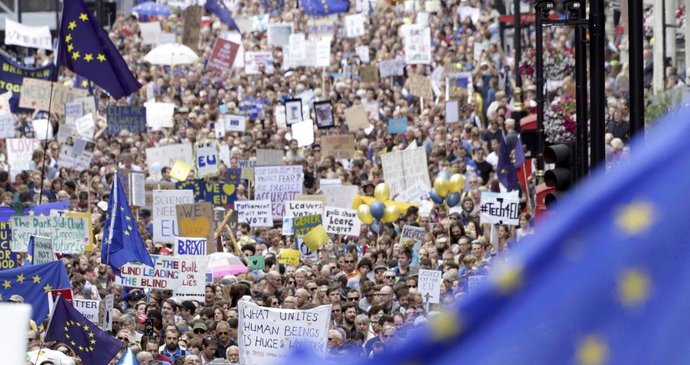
89, 245
369, 73
472, 12
452, 111
43, 250
266, 335
165, 215
27, 36
417, 41
164, 274
278, 184
196, 220
192, 26
19, 152
8, 259
159, 157
180, 170
303, 132
165, 38
341, 221
302, 224
255, 62
397, 125
68, 234
193, 246
354, 25
289, 256
149, 32
207, 161
321, 27
257, 262
35, 94
392, 67
416, 193
5, 102
85, 126
6, 126
420, 86
192, 279
131, 118
318, 53
330, 182
412, 237
356, 118
88, 308
279, 34
296, 50
340, 146
223, 55
269, 157
43, 129
235, 123
429, 285
403, 169
296, 208
107, 324
74, 110
499, 208
363, 53
256, 213
340, 196
159, 115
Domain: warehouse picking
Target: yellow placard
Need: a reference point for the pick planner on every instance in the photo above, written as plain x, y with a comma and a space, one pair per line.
288, 256
89, 246
316, 238
180, 170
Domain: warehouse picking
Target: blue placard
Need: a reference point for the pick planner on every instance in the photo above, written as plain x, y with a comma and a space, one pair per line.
397, 125
131, 118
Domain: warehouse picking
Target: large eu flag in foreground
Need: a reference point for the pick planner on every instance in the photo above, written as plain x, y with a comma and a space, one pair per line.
86, 49
604, 282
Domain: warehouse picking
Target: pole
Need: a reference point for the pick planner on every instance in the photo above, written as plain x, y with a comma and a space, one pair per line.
598, 96
540, 92
635, 40
518, 47
582, 140
663, 42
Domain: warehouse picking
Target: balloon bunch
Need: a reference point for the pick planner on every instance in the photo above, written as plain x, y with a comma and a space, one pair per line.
380, 210
447, 188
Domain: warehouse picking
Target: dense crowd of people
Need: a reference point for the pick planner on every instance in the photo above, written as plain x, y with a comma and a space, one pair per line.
370, 280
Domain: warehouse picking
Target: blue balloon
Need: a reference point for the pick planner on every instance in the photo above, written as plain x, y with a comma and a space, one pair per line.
444, 174
376, 228
377, 209
453, 199
435, 197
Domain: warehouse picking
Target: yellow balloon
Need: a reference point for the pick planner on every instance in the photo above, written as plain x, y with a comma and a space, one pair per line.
364, 214
391, 214
457, 183
382, 192
441, 186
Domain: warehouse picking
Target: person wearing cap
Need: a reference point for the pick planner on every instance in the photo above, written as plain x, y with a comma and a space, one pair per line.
16, 298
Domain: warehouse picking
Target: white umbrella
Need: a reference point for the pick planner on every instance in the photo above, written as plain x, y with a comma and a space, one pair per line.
171, 54
57, 357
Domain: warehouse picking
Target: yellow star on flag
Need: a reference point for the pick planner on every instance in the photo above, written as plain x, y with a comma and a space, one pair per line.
75, 55
78, 324
91, 334
508, 277
47, 288
633, 287
84, 83
31, 212
69, 49
128, 218
592, 351
446, 325
126, 233
88, 57
83, 17
20, 278
81, 348
86, 327
93, 342
37, 279
635, 218
101, 57
73, 343
68, 38
72, 25
7, 284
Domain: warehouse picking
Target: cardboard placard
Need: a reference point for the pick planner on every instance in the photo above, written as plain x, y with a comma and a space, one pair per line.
196, 220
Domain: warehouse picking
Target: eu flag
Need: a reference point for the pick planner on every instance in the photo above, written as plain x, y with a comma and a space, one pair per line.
218, 7
603, 282
86, 50
122, 242
324, 7
505, 171
88, 342
33, 283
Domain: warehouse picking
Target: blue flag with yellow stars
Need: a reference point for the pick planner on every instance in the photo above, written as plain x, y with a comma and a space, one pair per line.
122, 242
505, 169
603, 281
93, 346
33, 283
218, 7
86, 49
324, 7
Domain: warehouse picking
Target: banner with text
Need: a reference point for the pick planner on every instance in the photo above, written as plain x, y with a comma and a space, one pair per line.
279, 184
68, 234
499, 208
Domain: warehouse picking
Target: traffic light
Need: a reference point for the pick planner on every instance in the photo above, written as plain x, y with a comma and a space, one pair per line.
562, 176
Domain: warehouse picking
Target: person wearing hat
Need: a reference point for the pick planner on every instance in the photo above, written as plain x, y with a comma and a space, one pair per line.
368, 188
16, 298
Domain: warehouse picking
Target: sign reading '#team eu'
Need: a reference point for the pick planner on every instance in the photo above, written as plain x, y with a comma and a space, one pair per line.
131, 118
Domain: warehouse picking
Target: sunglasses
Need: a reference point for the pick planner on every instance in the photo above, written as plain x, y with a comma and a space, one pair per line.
336, 311
222, 333
123, 338
349, 262
199, 331
388, 277
353, 299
